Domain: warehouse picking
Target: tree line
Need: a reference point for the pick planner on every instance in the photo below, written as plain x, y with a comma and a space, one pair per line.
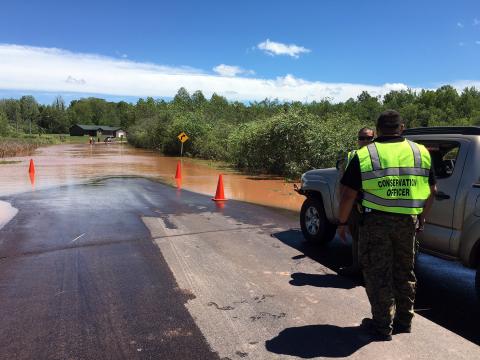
265, 136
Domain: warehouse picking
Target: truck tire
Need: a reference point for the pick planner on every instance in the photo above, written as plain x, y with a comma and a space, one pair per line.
315, 226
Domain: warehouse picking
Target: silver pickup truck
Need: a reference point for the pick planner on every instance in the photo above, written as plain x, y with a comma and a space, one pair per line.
453, 225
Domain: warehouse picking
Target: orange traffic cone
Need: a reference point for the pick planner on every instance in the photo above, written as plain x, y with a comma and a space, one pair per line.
32, 179
219, 195
178, 174
31, 168
179, 183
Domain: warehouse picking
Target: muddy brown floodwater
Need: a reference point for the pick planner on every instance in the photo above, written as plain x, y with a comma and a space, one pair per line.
75, 163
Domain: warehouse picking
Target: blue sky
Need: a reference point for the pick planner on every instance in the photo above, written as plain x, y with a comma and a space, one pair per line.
245, 50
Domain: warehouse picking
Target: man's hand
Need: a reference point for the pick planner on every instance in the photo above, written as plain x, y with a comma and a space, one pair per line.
426, 209
347, 199
342, 232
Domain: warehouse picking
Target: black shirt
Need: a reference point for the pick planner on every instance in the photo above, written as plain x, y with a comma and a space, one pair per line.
353, 176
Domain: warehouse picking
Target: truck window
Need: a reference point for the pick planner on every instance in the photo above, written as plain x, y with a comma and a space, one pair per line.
444, 156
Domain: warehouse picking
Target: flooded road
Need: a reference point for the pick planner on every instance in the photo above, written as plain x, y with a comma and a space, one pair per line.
76, 163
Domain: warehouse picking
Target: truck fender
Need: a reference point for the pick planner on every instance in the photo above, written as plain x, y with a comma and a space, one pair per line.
322, 191
470, 242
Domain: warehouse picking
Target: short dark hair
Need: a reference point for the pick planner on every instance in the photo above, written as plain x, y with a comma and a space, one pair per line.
365, 129
389, 121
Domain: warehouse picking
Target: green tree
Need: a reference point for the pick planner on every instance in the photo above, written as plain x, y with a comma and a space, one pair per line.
4, 126
145, 108
11, 108
399, 99
368, 107
80, 112
59, 104
182, 100
198, 100
446, 99
469, 104
29, 112
126, 114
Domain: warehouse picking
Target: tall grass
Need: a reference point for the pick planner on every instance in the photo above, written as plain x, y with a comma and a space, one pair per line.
25, 145
16, 147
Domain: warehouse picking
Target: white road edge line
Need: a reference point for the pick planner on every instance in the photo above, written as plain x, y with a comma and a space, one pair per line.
78, 237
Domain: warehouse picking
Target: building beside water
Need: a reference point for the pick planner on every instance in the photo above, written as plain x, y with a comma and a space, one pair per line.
96, 131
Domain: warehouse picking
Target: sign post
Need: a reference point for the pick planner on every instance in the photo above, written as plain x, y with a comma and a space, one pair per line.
182, 137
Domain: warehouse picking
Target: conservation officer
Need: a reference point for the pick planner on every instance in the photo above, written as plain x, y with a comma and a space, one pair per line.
397, 183
365, 137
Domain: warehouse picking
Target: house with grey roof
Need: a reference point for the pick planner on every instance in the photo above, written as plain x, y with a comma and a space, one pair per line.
96, 130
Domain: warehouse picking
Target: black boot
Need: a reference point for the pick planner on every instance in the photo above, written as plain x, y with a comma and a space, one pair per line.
372, 330
401, 329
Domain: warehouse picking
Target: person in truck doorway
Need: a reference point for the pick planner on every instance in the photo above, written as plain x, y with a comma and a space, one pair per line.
365, 137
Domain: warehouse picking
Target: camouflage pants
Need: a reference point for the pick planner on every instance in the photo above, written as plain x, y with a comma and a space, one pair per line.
387, 255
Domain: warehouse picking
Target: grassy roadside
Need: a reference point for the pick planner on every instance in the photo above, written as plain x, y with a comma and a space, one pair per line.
26, 144
16, 147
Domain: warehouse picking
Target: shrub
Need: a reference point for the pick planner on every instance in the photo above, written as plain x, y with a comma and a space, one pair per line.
292, 142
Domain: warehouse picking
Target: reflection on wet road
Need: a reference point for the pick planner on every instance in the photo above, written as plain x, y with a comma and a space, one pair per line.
69, 164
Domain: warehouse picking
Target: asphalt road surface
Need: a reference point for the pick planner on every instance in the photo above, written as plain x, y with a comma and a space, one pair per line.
134, 269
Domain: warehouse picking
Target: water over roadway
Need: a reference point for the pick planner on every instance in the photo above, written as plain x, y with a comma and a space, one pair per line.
69, 164
130, 268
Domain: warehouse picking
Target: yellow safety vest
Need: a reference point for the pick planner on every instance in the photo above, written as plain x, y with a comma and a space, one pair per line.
395, 176
350, 156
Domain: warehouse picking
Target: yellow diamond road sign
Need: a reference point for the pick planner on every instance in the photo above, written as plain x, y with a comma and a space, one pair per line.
182, 137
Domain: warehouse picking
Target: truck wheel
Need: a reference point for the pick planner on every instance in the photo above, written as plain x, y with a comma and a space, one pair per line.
315, 226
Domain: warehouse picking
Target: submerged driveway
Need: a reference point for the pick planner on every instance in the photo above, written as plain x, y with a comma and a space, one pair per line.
130, 268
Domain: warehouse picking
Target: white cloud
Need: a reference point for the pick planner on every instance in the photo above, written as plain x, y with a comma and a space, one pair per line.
476, 22
26, 68
72, 80
462, 84
477, 42
461, 43
230, 70
275, 48
460, 25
